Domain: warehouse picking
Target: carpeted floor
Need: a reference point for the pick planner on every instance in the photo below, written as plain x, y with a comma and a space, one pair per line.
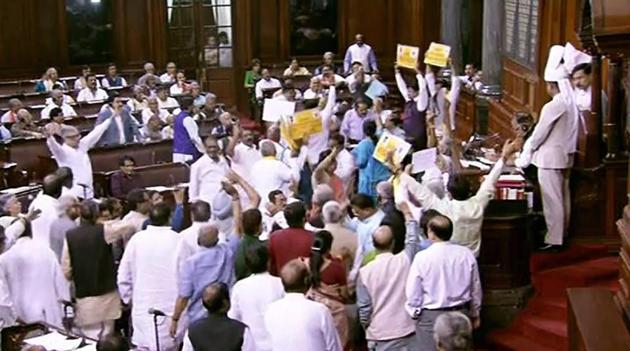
542, 325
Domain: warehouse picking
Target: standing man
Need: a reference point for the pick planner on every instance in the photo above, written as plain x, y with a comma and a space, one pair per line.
360, 52
34, 281
297, 323
243, 152
47, 202
416, 103
189, 243
207, 173
147, 279
381, 290
442, 278
290, 243
74, 155
552, 146
88, 262
187, 145
353, 120
270, 174
123, 129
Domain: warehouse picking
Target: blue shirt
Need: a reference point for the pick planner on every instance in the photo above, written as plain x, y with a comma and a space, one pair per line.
371, 171
365, 228
210, 265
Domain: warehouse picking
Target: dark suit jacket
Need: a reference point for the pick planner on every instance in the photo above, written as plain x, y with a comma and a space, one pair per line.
216, 333
110, 137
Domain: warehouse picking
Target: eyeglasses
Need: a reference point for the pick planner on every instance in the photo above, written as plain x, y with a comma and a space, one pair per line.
74, 136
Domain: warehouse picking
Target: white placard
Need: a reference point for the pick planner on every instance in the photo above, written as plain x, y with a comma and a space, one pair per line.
274, 109
423, 160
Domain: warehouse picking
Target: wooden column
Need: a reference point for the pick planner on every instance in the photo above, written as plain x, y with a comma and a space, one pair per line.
451, 30
492, 41
613, 118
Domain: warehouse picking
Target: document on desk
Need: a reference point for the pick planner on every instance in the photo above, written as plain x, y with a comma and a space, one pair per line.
423, 160
54, 341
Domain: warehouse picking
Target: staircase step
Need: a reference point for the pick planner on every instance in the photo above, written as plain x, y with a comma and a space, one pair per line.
551, 332
554, 282
506, 340
574, 254
553, 307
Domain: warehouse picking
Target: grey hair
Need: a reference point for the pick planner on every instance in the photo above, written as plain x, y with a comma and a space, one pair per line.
322, 194
385, 190
452, 331
331, 212
267, 148
68, 130
210, 96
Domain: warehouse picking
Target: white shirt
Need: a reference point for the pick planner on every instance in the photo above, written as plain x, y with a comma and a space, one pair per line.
167, 78
147, 278
193, 133
34, 282
250, 299
244, 159
296, 323
78, 160
467, 215
187, 245
360, 54
352, 78
87, 95
271, 174
105, 82
345, 167
67, 99
283, 153
319, 142
422, 99
264, 84
205, 178
175, 89
80, 83
168, 103
443, 275
66, 111
309, 94
135, 219
40, 226
147, 114
135, 105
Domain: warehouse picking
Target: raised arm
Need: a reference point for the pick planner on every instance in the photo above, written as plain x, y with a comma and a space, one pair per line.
347, 61
94, 136
229, 150
411, 236
55, 149
487, 189
320, 171
327, 112
423, 194
401, 84
252, 194
423, 98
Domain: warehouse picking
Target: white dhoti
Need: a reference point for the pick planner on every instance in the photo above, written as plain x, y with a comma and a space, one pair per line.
556, 198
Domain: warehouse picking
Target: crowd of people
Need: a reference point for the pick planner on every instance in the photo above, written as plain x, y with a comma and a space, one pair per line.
308, 244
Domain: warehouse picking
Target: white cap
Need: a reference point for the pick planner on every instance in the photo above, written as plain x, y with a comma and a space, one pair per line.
555, 70
573, 57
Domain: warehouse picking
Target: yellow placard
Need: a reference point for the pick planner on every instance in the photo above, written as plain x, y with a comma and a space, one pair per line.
437, 55
407, 56
306, 123
287, 135
388, 143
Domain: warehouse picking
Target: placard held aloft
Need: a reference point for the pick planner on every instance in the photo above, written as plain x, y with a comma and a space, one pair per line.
437, 55
407, 56
388, 143
274, 109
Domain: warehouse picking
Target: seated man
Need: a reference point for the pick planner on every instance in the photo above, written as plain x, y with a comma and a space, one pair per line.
11, 116
152, 130
125, 179
169, 76
149, 72
165, 101
112, 79
57, 101
55, 126
153, 109
24, 126
81, 82
92, 93
197, 95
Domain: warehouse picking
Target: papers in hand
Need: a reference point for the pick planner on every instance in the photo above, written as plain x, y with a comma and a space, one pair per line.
273, 109
437, 55
423, 160
407, 56
388, 143
54, 341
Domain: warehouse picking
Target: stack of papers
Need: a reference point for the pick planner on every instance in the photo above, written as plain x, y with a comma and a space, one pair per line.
54, 341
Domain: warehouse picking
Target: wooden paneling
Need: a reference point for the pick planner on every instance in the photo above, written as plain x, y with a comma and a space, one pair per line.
132, 51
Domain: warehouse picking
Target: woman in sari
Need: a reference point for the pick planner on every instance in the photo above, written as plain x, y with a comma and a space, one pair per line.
328, 282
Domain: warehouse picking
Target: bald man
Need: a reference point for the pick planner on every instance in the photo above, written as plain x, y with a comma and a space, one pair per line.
271, 174
381, 289
442, 278
216, 331
213, 263
362, 53
57, 100
296, 323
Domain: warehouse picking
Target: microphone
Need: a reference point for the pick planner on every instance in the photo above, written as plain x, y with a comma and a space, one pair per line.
157, 312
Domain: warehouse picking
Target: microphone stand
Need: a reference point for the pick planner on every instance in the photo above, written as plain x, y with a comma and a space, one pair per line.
157, 337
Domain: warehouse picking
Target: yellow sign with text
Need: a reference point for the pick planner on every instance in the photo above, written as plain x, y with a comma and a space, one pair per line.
390, 143
306, 123
437, 55
407, 56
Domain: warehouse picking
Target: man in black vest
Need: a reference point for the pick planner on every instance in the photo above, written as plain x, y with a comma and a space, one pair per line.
87, 260
217, 331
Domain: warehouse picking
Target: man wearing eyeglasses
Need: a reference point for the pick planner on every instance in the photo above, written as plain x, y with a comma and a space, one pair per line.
73, 153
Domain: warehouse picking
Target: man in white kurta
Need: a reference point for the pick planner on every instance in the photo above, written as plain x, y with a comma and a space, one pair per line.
48, 206
34, 281
297, 323
207, 173
74, 155
243, 152
147, 279
271, 174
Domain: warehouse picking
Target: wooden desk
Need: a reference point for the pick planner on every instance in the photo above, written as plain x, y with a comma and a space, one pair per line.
166, 174
465, 114
505, 249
